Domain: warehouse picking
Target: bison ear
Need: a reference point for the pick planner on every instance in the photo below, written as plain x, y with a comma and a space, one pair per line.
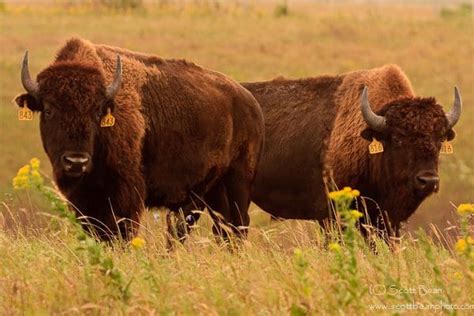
450, 134
369, 134
29, 101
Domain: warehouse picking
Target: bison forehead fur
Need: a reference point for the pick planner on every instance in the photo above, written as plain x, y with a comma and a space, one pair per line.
72, 84
180, 131
417, 116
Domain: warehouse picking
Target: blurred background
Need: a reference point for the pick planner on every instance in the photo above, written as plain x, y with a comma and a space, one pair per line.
250, 40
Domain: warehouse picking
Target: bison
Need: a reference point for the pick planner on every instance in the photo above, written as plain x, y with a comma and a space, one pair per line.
180, 131
320, 128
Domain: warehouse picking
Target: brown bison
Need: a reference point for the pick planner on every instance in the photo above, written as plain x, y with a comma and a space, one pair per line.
180, 131
320, 128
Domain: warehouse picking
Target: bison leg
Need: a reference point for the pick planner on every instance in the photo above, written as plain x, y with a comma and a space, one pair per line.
227, 202
218, 207
380, 226
128, 227
179, 224
127, 205
121, 212
238, 195
110, 226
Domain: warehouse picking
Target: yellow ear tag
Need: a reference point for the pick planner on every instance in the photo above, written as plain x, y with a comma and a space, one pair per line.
108, 120
375, 147
25, 114
447, 148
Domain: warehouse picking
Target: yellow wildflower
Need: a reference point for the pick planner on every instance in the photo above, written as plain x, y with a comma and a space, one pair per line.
465, 209
35, 163
346, 193
28, 175
21, 182
340, 195
334, 195
35, 174
22, 179
334, 247
137, 243
24, 171
36, 177
460, 246
457, 275
355, 214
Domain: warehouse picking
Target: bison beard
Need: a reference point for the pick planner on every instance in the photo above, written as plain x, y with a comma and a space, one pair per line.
181, 131
318, 131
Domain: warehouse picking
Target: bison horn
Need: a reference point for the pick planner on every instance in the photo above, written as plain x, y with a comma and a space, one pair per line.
455, 113
30, 85
114, 87
375, 122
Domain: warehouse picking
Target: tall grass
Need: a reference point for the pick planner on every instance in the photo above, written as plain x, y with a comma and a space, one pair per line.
279, 270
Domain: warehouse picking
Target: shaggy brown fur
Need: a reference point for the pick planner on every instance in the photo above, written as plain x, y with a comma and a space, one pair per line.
313, 131
180, 131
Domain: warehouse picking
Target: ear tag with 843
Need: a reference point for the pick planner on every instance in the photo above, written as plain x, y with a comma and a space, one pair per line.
25, 114
108, 120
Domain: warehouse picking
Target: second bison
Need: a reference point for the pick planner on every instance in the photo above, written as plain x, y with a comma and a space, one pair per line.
320, 128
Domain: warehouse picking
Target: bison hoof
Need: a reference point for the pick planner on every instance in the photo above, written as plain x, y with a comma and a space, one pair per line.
190, 220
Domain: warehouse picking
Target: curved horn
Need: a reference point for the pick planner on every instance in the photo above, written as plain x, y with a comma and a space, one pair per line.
375, 122
114, 87
30, 85
455, 113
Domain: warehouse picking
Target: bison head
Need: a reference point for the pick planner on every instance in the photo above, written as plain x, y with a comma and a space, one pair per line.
72, 98
412, 130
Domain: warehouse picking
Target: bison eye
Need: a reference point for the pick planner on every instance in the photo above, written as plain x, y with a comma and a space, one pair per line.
397, 141
47, 113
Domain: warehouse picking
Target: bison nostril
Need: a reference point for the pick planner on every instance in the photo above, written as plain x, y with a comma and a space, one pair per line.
421, 181
427, 181
76, 162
